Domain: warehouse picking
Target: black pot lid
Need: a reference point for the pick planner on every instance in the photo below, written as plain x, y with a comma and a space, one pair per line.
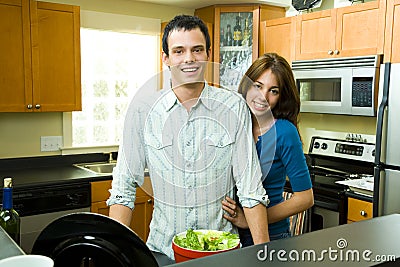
87, 239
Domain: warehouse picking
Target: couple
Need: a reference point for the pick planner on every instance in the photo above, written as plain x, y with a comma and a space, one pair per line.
198, 143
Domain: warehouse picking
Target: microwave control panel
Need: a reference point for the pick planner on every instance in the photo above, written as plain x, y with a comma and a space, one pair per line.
362, 92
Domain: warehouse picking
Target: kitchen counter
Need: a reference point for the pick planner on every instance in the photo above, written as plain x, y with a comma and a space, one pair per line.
8, 247
37, 171
358, 196
337, 246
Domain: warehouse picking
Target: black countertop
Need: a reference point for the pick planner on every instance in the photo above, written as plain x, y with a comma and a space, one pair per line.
351, 194
50, 170
371, 240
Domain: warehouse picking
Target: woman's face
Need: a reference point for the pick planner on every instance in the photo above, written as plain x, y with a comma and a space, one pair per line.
263, 95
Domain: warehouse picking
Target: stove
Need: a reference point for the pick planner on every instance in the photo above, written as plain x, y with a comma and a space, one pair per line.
331, 160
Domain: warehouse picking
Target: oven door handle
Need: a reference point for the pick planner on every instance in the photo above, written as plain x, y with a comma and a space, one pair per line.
335, 176
326, 205
330, 170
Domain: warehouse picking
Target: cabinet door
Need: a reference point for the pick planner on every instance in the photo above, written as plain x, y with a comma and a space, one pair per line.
15, 56
392, 34
99, 195
55, 30
277, 36
235, 43
142, 214
100, 190
315, 35
360, 29
100, 207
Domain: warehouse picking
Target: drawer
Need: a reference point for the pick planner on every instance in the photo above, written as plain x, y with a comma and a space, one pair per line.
359, 210
100, 190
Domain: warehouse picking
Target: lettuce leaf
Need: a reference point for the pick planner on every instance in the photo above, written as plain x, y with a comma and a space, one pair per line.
207, 241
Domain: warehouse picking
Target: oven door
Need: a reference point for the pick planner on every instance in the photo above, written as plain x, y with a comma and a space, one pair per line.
330, 202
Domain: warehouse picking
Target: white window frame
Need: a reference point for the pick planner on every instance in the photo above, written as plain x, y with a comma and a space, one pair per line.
113, 22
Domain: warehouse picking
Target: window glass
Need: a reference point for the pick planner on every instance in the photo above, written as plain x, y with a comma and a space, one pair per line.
114, 65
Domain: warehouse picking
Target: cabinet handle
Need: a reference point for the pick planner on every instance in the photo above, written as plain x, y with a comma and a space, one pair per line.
336, 52
150, 201
330, 52
37, 106
363, 213
29, 106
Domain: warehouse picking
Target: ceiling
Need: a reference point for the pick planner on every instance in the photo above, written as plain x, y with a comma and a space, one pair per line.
193, 4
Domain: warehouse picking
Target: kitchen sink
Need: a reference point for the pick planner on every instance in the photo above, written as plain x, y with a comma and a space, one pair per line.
98, 167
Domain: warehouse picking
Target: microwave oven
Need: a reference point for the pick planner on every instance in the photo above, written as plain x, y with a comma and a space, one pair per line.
347, 86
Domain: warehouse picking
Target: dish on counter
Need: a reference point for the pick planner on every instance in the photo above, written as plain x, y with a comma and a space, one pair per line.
192, 244
363, 186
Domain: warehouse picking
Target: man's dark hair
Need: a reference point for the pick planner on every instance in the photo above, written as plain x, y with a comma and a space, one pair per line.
186, 23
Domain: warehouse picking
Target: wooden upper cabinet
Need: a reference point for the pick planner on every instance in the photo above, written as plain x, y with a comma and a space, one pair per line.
392, 32
42, 70
360, 29
56, 59
341, 32
15, 56
277, 36
315, 35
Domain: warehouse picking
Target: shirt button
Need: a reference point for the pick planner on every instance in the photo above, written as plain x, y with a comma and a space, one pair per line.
188, 165
188, 143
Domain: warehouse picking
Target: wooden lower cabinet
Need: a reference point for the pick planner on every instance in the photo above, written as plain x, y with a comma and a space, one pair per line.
358, 210
142, 212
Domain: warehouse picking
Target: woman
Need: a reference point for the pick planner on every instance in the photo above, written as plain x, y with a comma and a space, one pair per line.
271, 94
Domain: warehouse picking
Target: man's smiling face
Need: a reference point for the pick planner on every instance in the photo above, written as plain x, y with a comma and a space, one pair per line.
187, 56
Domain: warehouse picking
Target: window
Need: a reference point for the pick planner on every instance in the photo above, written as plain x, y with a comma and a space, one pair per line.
114, 65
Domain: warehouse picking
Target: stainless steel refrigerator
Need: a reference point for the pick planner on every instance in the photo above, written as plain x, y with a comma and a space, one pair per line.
386, 199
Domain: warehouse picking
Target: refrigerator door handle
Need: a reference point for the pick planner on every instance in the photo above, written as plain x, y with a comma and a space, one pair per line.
381, 113
378, 141
376, 197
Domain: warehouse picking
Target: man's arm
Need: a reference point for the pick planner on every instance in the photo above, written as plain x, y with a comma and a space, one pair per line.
121, 213
257, 220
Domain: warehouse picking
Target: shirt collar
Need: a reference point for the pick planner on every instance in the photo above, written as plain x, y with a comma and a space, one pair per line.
205, 98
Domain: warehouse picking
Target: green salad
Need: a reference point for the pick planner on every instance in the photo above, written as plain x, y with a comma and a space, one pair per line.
207, 240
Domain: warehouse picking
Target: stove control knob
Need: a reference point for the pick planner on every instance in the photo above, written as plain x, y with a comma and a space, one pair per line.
316, 145
324, 146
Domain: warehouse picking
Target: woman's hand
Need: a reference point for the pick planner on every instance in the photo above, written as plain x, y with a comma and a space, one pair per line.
234, 214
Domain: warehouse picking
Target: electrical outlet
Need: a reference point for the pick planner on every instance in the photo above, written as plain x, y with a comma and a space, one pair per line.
50, 143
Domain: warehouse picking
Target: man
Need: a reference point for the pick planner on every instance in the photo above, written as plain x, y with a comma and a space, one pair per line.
196, 141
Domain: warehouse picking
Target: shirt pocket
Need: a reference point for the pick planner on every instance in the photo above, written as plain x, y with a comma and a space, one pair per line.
159, 148
219, 140
219, 149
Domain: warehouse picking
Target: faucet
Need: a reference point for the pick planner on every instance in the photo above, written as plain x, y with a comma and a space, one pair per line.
110, 157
